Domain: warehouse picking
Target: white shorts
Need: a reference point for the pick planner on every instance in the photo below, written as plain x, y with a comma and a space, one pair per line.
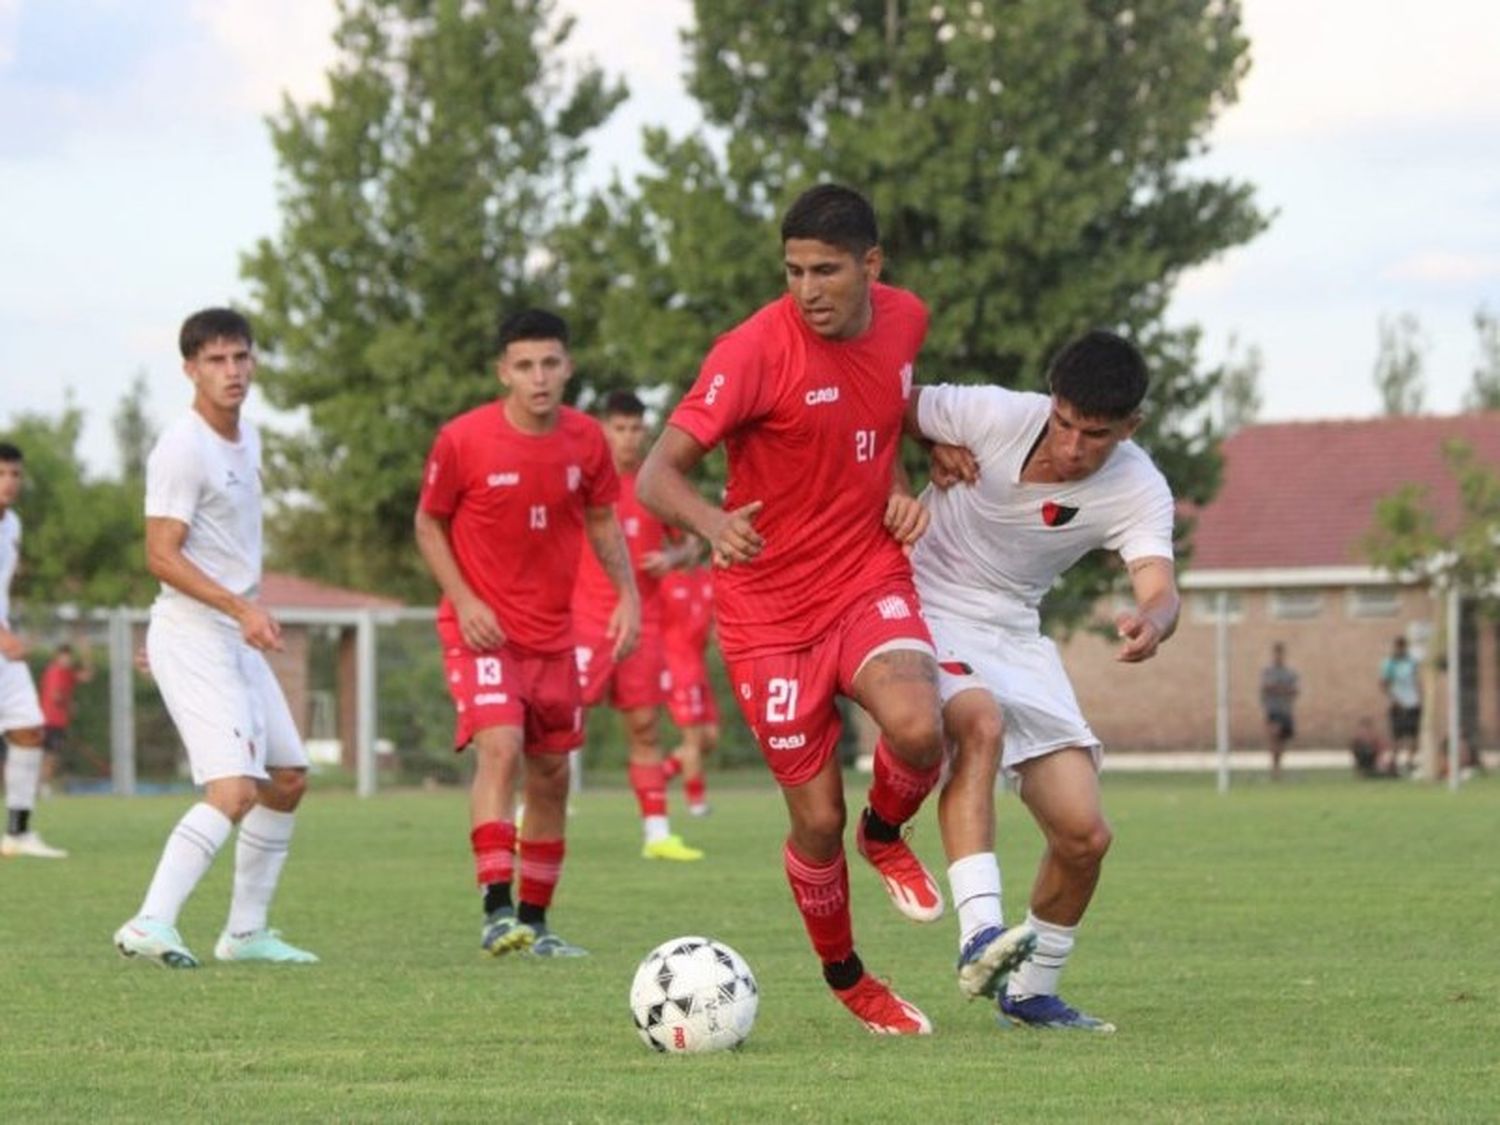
20, 709
1025, 675
223, 699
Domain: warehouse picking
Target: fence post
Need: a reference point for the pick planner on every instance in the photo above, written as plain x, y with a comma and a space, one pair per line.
121, 704
364, 679
1221, 687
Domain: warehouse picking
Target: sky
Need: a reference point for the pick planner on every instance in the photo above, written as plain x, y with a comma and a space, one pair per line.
136, 168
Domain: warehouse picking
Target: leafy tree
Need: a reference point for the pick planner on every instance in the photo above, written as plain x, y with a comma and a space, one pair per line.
1239, 387
1409, 541
416, 205
1028, 162
1484, 390
82, 537
1398, 364
135, 431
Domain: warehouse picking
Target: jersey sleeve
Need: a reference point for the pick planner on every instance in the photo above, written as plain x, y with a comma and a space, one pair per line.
1148, 532
602, 485
975, 417
442, 483
735, 385
174, 478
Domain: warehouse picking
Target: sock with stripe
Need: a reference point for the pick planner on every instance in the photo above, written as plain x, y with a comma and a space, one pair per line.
188, 854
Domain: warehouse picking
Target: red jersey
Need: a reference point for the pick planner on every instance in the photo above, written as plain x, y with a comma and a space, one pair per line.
514, 503
58, 685
687, 608
812, 428
594, 595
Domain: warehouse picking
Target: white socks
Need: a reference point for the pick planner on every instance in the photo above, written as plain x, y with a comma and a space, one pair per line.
975, 883
190, 850
259, 854
23, 774
1038, 976
657, 828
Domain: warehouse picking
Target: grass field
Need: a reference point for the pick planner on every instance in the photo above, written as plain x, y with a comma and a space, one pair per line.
1318, 951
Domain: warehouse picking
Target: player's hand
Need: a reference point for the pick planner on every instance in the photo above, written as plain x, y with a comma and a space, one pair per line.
735, 540
953, 464
1140, 635
478, 624
906, 519
624, 627
12, 647
656, 563
260, 629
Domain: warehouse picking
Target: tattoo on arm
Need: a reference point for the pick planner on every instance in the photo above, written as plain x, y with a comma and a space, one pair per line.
608, 542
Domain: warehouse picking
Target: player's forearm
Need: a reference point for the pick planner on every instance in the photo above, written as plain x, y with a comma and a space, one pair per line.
670, 496
175, 569
442, 564
608, 544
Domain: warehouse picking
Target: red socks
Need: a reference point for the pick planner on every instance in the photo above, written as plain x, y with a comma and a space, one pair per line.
822, 894
899, 790
494, 845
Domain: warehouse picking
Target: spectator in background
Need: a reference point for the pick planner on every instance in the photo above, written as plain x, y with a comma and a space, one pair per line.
60, 680
1400, 679
1372, 757
1278, 696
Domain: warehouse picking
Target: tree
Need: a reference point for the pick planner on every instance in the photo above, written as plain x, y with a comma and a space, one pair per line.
1484, 390
1239, 387
417, 202
135, 432
1410, 542
1398, 364
1028, 162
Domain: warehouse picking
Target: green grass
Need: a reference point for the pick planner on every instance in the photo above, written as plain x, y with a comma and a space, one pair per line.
1317, 951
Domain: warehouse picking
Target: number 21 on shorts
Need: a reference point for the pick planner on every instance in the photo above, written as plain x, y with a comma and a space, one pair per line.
781, 700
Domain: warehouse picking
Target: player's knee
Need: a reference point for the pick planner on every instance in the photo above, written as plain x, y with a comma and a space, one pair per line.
29, 738
916, 738
286, 789
547, 774
1085, 847
980, 738
821, 829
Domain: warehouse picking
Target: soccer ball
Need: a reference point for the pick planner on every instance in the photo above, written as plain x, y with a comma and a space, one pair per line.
693, 994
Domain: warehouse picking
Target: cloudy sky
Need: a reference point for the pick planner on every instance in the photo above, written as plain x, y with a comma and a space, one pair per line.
135, 168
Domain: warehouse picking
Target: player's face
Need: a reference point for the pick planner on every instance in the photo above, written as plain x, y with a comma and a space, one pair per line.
221, 372
11, 477
1078, 445
626, 435
534, 372
831, 286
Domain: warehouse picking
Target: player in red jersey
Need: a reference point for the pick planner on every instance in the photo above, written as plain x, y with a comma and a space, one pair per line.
633, 685
687, 620
510, 491
814, 593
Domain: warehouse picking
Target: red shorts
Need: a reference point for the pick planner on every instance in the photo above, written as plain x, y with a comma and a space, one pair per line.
507, 687
787, 698
691, 702
640, 680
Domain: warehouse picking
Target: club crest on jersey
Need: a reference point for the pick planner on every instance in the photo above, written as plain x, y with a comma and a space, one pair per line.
575, 478
893, 608
1057, 515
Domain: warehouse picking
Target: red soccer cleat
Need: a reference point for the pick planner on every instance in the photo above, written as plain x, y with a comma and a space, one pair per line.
912, 889
881, 1010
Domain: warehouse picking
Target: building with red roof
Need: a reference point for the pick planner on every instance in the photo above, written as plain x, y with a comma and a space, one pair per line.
1282, 543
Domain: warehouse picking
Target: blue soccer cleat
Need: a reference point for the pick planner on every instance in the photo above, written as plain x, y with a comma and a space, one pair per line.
154, 941
1049, 1013
505, 933
261, 945
990, 956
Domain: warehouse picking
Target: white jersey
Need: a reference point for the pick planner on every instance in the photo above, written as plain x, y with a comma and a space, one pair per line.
995, 548
212, 485
10, 556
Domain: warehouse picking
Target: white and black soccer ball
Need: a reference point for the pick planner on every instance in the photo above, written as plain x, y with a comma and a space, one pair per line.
693, 994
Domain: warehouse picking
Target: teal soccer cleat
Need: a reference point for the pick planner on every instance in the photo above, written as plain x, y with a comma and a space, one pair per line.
154, 941
549, 944
261, 945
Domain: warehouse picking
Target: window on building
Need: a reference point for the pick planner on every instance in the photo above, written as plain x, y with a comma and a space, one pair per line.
1373, 601
1205, 607
1296, 605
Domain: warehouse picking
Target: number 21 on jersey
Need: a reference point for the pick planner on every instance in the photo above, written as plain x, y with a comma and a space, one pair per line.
864, 445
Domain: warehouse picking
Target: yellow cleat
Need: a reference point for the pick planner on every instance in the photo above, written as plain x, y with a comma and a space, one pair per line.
670, 847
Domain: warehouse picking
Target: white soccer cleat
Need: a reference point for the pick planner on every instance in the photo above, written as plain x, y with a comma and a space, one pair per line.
155, 941
29, 843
